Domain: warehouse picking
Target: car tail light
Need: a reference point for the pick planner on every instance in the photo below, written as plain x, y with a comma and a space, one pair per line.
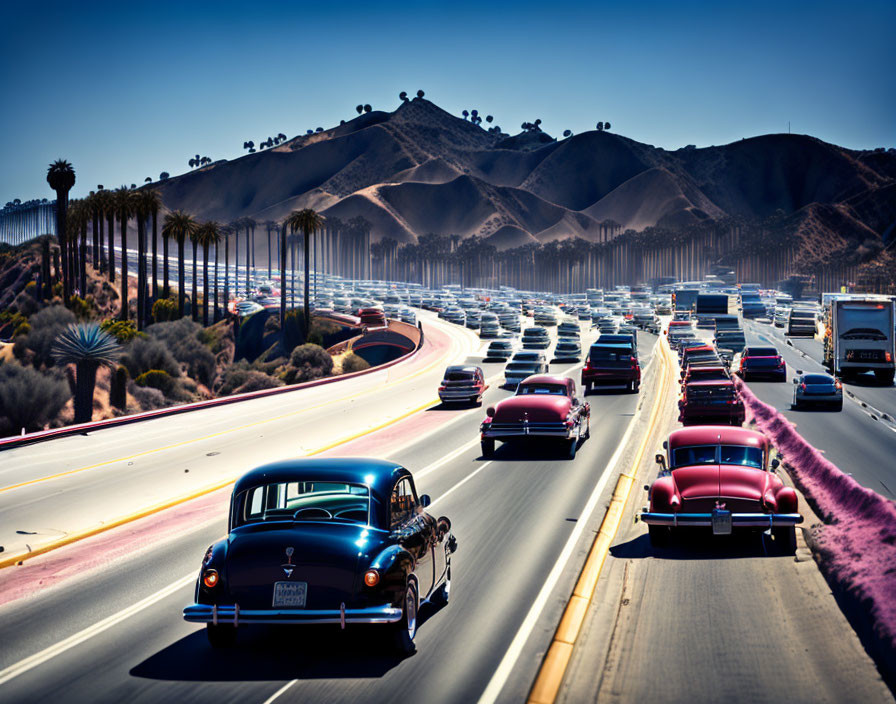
210, 578
803, 386
371, 578
441, 388
888, 357
780, 361
838, 385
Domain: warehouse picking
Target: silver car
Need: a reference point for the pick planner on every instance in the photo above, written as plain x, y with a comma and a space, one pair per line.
567, 350
815, 388
522, 365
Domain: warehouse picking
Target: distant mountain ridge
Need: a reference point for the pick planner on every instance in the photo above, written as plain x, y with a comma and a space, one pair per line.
421, 170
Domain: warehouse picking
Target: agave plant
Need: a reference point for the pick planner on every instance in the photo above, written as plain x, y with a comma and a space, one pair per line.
87, 347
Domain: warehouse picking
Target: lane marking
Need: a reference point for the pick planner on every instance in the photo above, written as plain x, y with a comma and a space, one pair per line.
52, 651
502, 673
46, 654
556, 661
190, 441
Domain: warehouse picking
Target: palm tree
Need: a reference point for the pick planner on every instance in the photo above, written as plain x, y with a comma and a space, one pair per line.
87, 347
124, 208
208, 235
152, 203
109, 209
141, 213
308, 222
236, 226
180, 226
250, 225
61, 177
269, 226
194, 300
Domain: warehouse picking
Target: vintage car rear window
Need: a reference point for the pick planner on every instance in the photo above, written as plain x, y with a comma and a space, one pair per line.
305, 501
710, 393
715, 454
541, 389
458, 376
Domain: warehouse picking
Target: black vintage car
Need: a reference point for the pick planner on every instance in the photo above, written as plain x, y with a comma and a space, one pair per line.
325, 541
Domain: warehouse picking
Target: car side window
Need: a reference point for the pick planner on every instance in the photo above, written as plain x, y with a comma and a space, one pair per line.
403, 504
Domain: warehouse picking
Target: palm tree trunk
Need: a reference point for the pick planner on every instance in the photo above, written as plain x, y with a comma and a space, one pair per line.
270, 273
110, 221
82, 258
181, 276
226, 272
141, 272
124, 266
217, 306
307, 289
155, 247
194, 302
205, 289
166, 289
283, 281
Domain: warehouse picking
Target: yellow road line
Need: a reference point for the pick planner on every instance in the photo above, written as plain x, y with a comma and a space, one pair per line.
142, 513
556, 661
295, 413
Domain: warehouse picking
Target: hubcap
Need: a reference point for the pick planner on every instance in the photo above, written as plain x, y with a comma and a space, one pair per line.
410, 607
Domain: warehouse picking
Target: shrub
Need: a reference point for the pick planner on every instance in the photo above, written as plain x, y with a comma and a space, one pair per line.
81, 307
118, 388
31, 288
233, 377
122, 330
306, 363
148, 398
57, 289
29, 399
353, 363
22, 328
157, 379
181, 337
45, 327
256, 381
164, 309
143, 354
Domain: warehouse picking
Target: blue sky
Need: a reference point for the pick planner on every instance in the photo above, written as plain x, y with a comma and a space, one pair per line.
126, 91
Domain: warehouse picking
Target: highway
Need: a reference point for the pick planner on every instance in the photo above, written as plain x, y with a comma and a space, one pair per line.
689, 622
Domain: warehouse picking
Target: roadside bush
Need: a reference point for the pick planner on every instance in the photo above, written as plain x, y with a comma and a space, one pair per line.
353, 363
148, 398
164, 309
22, 328
143, 354
157, 379
307, 363
45, 327
29, 399
181, 337
81, 307
57, 289
122, 330
255, 381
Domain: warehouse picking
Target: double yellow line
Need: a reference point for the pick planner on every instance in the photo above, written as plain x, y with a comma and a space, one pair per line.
556, 661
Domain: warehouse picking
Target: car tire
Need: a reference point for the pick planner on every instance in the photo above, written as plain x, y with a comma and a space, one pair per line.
588, 388
404, 630
221, 635
784, 539
572, 446
488, 447
660, 536
839, 405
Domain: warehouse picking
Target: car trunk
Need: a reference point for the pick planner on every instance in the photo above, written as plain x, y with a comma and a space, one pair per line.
535, 409
326, 556
706, 487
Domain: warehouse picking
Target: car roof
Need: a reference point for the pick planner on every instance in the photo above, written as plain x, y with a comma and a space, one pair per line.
463, 368
380, 475
706, 434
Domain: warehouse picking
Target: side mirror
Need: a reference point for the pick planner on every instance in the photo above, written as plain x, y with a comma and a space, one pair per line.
665, 444
796, 380
490, 412
425, 500
660, 460
775, 464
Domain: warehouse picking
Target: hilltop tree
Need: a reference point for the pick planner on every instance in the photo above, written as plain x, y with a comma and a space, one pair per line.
367, 108
489, 118
403, 96
600, 126
164, 176
465, 114
147, 180
606, 125
420, 93
359, 108
567, 133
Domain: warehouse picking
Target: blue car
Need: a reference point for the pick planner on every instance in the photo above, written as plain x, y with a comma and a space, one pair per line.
325, 541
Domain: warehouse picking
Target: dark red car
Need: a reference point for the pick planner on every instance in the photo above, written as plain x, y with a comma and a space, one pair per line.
716, 372
723, 479
716, 402
372, 317
756, 362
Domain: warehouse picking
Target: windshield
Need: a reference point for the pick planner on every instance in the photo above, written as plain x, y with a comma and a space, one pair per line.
714, 454
740, 455
541, 389
699, 454
305, 501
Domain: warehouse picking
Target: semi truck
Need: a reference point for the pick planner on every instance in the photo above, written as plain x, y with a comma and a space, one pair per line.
685, 298
859, 337
710, 306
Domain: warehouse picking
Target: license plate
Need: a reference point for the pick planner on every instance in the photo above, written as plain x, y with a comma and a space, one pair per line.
290, 594
721, 522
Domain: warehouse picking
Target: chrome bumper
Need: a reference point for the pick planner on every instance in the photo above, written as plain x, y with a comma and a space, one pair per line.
205, 613
738, 520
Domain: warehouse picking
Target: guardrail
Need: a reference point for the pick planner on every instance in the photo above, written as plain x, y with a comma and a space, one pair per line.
84, 428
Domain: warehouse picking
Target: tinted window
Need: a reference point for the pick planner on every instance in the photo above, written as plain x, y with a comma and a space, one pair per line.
542, 389
459, 376
403, 504
817, 379
761, 352
744, 456
699, 454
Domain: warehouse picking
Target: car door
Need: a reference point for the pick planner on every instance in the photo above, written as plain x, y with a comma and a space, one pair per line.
414, 530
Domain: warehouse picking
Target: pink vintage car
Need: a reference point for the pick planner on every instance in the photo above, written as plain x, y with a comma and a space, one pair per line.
545, 406
720, 478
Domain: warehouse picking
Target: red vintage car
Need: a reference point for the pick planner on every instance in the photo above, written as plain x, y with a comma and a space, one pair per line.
544, 406
711, 402
720, 478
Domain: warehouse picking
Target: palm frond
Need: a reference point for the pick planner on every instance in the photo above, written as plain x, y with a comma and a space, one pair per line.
85, 342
